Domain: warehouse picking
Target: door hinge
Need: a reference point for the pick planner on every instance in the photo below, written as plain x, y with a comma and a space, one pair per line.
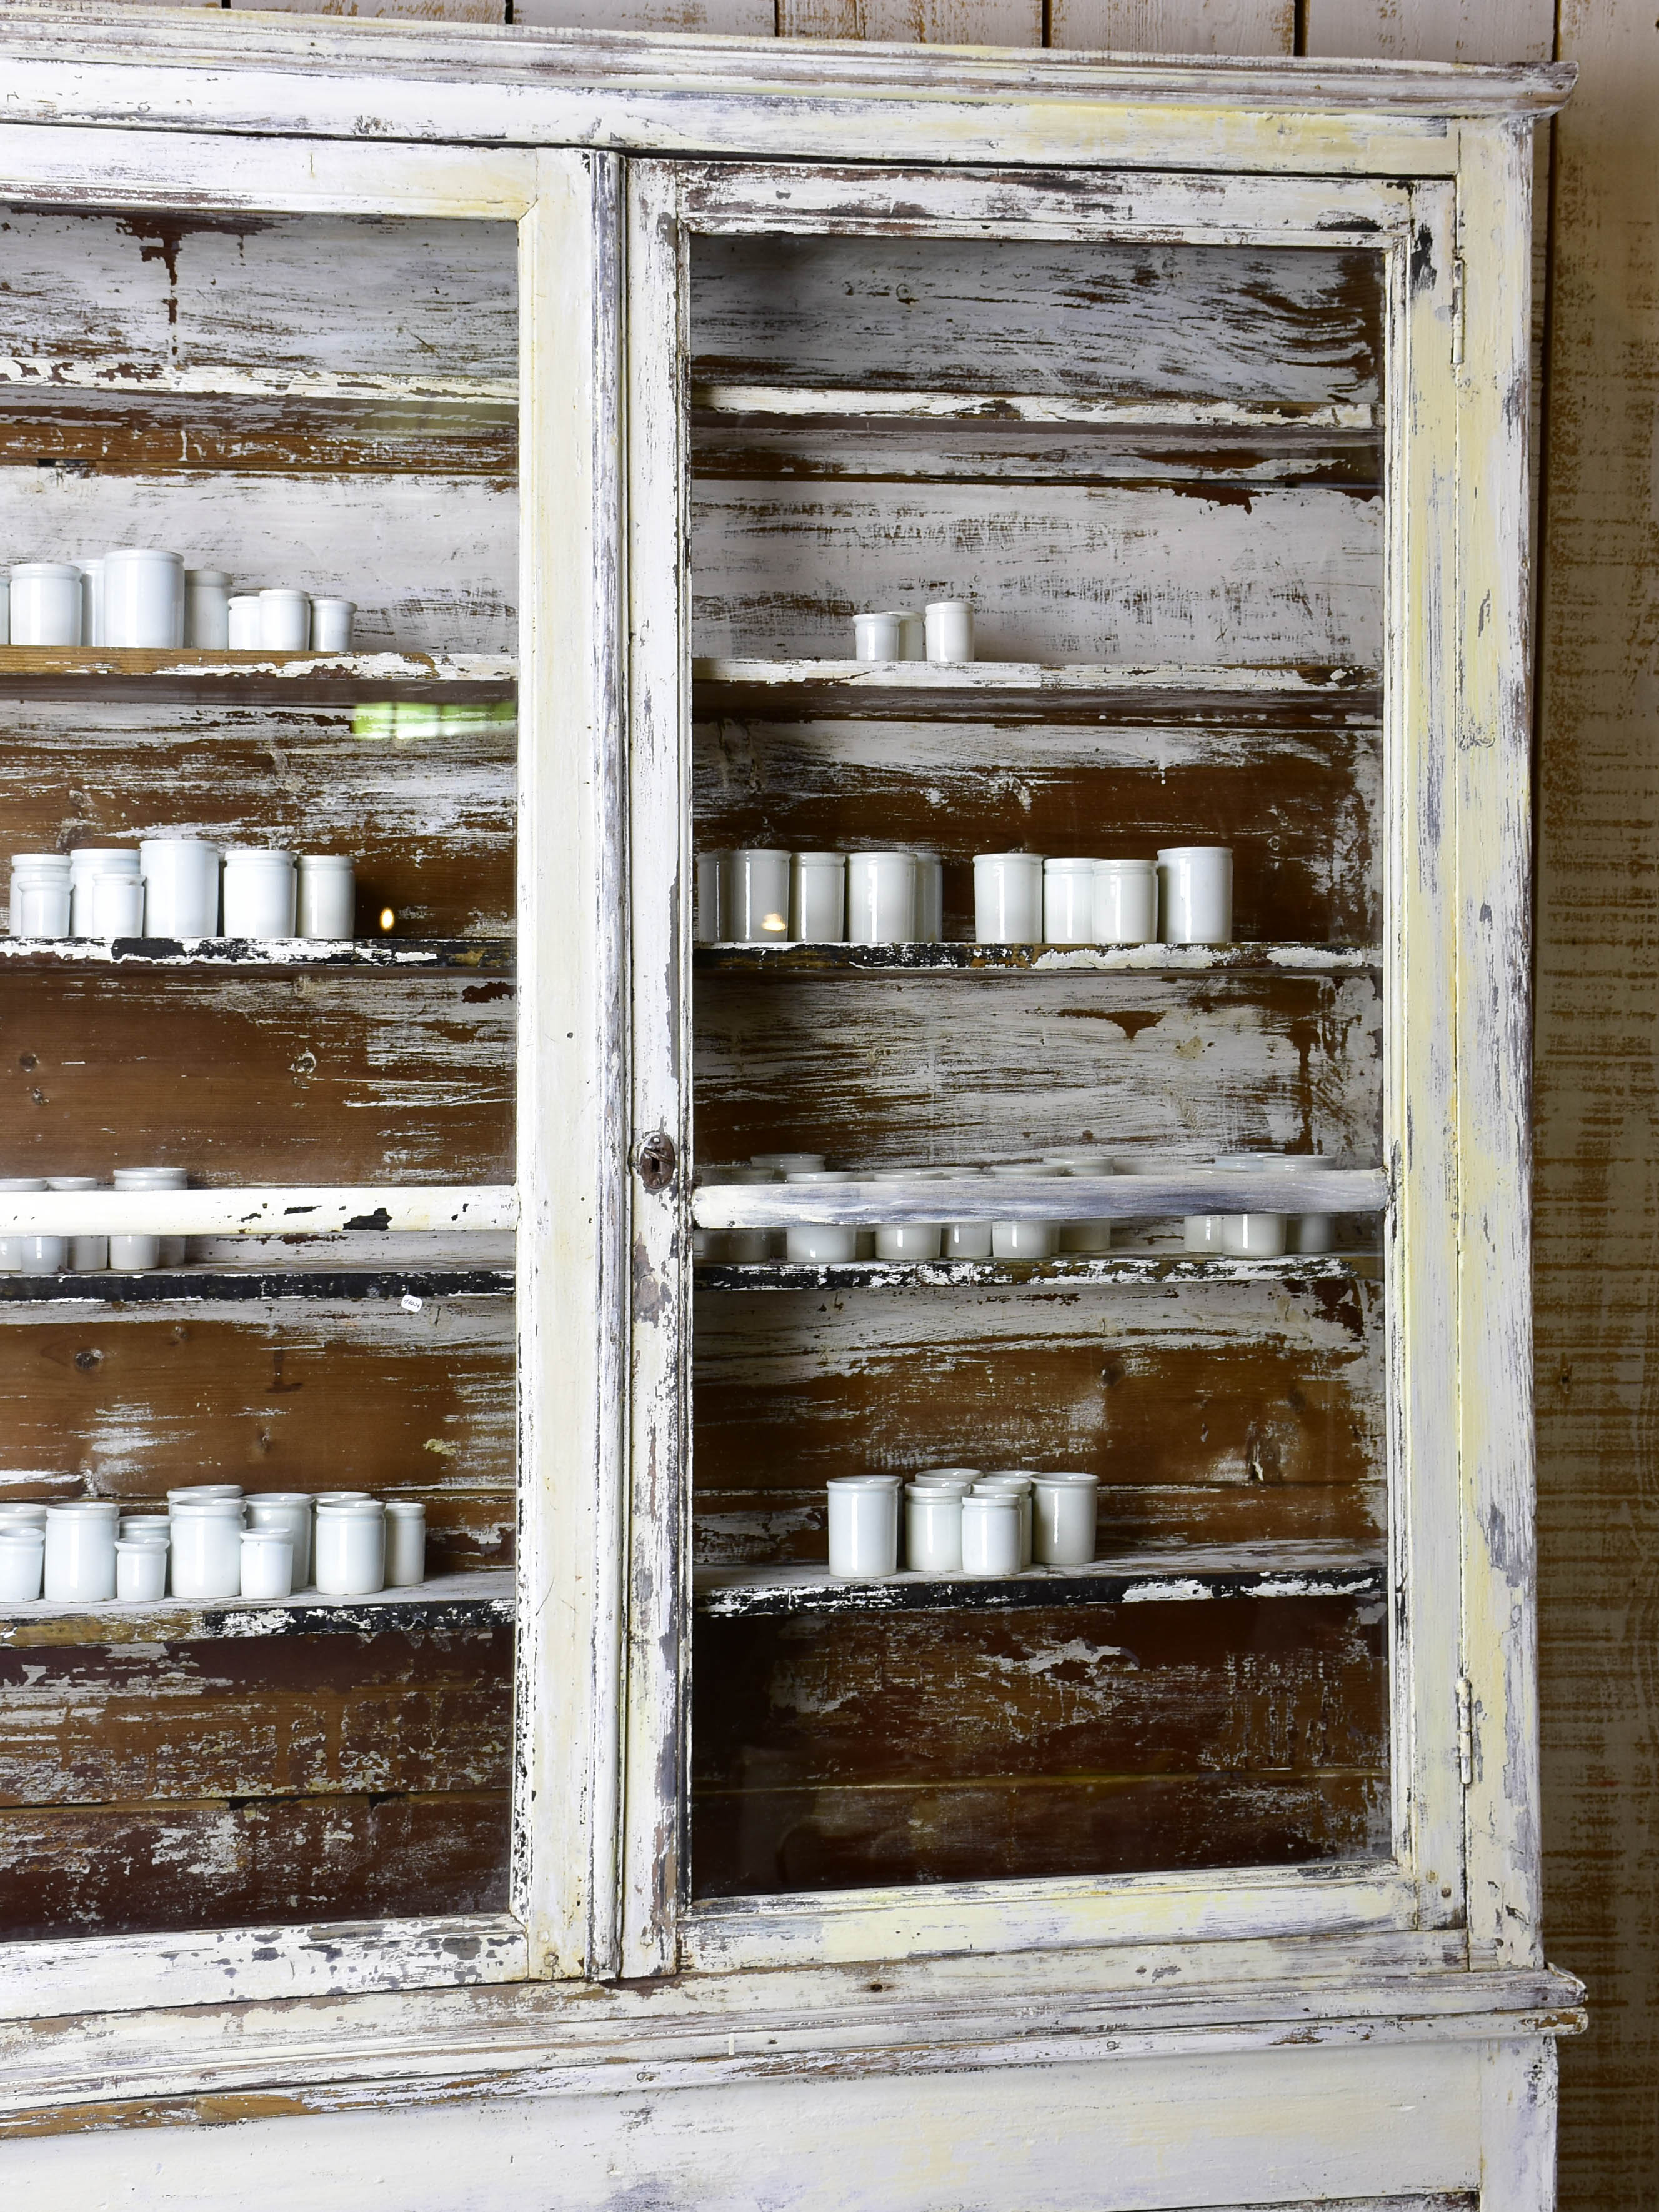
1457, 311
1466, 1729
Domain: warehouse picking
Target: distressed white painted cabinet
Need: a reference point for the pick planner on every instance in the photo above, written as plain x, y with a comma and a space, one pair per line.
612, 376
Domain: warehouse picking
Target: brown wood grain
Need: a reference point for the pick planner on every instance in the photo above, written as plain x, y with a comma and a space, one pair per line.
132, 1404
120, 1869
145, 434
345, 1077
278, 1716
894, 1070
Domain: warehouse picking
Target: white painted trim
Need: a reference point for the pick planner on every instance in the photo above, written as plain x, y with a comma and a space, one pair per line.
323, 1210
1180, 1190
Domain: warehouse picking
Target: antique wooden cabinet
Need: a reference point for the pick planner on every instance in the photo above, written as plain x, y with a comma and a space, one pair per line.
634, 1858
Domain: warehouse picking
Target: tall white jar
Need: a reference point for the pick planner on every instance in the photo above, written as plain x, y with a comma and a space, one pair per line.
143, 597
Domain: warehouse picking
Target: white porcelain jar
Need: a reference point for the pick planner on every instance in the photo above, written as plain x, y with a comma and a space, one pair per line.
949, 627
864, 1515
143, 597
1195, 894
1068, 901
755, 896
41, 898
45, 605
990, 1535
878, 636
933, 1528
169, 1251
1008, 898
326, 900
258, 895
87, 863
79, 1564
1024, 1240
881, 898
707, 921
141, 1570
207, 1547
817, 898
207, 609
288, 1512
181, 886
242, 622
22, 1556
117, 900
350, 1541
930, 898
1064, 1511
820, 1243
406, 1543
331, 625
1125, 902
285, 621
267, 1563
1020, 1487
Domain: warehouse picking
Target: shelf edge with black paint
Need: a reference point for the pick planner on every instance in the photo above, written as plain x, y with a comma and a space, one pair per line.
169, 1286
1260, 1570
470, 1602
1294, 1272
954, 956
491, 956
186, 674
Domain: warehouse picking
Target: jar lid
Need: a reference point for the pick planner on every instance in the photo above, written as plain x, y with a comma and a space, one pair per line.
63, 568
39, 864
326, 860
144, 553
250, 856
283, 592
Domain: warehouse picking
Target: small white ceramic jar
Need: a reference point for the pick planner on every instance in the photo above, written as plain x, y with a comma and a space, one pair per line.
327, 895
930, 898
755, 896
406, 1543
1202, 1232
258, 895
1195, 894
1019, 1488
1063, 1509
820, 1243
144, 1528
89, 862
350, 1554
11, 1248
79, 1565
44, 1255
85, 1254
285, 621
1008, 898
267, 1563
864, 1517
116, 901
181, 886
92, 600
707, 921
1253, 1236
950, 630
242, 622
207, 1547
29, 1511
331, 625
879, 637
141, 1570
1125, 902
286, 1513
913, 636
817, 898
207, 609
196, 1493
933, 1528
45, 603
1068, 901
144, 597
881, 898
990, 1535
959, 1478
42, 903
22, 1555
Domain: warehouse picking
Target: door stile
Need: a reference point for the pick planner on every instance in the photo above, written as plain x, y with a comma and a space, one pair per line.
654, 1763
573, 1050
1420, 1075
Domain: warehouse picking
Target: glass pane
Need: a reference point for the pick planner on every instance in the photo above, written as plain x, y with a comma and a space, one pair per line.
325, 405
1156, 473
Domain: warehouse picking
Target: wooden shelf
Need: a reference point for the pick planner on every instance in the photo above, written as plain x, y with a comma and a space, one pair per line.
1186, 1187
461, 955
1128, 1268
902, 689
794, 402
1262, 1571
968, 959
461, 1603
190, 1286
29, 671
28, 378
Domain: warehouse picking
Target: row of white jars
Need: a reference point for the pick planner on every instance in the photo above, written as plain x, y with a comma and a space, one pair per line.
133, 1255
181, 887
139, 595
1259, 1236
212, 1543
945, 633
758, 895
957, 1520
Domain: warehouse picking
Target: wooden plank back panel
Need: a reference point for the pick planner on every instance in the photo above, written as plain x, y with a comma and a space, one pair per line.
889, 1070
196, 434
333, 1077
129, 1403
1142, 322
1080, 572
1300, 810
430, 561
426, 812
151, 294
831, 1753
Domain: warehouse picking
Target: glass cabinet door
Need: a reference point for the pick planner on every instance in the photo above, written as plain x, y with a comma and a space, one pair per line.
1037, 1060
